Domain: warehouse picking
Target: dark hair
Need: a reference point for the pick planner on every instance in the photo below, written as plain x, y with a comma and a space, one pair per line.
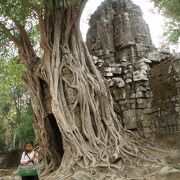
30, 142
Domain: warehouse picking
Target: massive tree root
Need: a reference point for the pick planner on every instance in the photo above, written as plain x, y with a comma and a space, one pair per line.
93, 138
80, 100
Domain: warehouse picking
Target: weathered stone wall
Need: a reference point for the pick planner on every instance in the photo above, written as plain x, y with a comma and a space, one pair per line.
164, 113
144, 82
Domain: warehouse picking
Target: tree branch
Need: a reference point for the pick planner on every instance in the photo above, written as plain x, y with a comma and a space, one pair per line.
83, 4
10, 36
39, 12
33, 6
23, 42
27, 49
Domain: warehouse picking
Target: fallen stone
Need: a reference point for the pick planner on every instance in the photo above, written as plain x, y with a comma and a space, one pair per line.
173, 158
145, 60
154, 56
168, 173
119, 82
128, 81
140, 75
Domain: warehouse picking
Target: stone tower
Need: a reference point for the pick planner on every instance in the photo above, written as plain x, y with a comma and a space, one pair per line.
144, 83
118, 32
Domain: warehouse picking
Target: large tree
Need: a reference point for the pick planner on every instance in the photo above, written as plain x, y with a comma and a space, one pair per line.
75, 119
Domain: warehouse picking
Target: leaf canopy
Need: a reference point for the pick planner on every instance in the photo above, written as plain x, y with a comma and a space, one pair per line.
171, 9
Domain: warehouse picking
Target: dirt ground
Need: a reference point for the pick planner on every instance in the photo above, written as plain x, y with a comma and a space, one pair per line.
169, 171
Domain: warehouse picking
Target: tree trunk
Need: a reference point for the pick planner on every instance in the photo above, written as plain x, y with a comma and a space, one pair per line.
14, 141
75, 119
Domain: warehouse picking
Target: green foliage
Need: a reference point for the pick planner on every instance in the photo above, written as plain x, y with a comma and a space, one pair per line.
13, 12
171, 9
15, 108
19, 18
25, 130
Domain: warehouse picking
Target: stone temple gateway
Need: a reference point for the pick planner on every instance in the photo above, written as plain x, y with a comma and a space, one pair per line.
144, 82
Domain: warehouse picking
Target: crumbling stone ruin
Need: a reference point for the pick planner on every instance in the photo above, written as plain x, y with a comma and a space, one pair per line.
144, 82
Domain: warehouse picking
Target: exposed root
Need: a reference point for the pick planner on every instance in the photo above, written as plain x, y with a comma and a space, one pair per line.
95, 144
96, 141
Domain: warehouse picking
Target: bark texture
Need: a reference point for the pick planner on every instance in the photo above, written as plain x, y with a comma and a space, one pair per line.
75, 118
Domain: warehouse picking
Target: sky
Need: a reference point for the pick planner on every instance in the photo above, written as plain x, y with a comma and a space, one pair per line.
154, 20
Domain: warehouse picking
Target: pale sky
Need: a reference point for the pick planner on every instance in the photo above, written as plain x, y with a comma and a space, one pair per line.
154, 20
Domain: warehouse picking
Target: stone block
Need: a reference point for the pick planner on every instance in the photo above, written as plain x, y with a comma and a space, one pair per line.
177, 77
148, 61
168, 173
142, 103
154, 56
147, 111
177, 109
110, 82
133, 106
108, 74
173, 157
178, 85
130, 119
141, 88
140, 75
149, 94
119, 94
119, 82
146, 123
122, 102
147, 132
140, 94
128, 81
176, 66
